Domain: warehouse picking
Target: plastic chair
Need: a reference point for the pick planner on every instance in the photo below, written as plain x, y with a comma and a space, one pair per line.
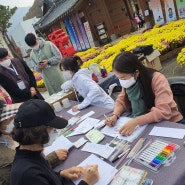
177, 85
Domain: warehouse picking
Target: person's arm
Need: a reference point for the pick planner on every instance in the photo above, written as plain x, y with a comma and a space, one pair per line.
121, 105
13, 90
57, 57
52, 159
163, 101
67, 85
56, 156
93, 92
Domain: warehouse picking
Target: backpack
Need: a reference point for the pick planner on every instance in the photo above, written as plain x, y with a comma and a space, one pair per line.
146, 50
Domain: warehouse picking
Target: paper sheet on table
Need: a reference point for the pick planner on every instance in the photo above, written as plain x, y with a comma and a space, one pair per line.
114, 131
102, 150
60, 143
168, 132
86, 116
106, 171
86, 125
73, 113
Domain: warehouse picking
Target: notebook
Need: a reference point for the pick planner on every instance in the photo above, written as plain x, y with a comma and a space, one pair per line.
95, 136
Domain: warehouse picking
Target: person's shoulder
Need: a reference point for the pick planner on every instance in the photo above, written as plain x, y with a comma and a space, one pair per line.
158, 77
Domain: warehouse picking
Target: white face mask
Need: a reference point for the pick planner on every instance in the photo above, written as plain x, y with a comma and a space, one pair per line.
52, 136
67, 75
36, 47
6, 63
127, 83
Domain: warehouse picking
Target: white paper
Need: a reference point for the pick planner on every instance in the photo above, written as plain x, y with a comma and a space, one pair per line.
106, 171
99, 124
86, 125
73, 113
60, 143
102, 150
80, 142
114, 131
86, 116
168, 132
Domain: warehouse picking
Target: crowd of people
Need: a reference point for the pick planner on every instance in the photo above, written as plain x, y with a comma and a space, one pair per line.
145, 93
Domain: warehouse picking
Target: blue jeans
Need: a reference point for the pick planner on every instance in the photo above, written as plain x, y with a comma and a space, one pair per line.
182, 121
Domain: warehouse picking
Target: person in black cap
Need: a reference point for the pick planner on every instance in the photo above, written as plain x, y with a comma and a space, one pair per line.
17, 78
7, 146
32, 124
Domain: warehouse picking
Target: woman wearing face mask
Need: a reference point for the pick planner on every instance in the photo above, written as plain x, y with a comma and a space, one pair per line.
17, 78
146, 93
81, 81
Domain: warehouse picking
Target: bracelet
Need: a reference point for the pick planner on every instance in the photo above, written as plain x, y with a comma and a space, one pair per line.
116, 115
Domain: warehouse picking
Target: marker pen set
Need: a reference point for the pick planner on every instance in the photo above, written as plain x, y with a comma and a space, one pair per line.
156, 154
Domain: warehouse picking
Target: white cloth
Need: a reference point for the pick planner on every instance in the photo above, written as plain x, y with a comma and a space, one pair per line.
92, 93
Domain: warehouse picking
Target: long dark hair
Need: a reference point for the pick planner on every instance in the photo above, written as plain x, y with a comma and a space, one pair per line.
69, 63
126, 62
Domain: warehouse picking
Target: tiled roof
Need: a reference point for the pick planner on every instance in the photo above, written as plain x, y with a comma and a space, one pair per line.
59, 9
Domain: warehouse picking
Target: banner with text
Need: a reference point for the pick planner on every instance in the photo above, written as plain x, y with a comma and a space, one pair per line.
157, 11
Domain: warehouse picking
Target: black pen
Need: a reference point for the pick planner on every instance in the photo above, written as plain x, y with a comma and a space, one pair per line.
122, 154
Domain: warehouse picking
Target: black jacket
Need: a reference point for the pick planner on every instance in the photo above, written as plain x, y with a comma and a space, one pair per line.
8, 80
30, 168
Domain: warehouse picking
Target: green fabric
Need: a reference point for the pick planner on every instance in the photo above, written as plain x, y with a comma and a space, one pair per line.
51, 75
135, 96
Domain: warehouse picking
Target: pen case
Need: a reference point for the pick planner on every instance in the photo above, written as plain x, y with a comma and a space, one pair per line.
158, 153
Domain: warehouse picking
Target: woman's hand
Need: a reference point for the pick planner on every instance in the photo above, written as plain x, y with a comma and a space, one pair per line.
75, 108
91, 174
110, 121
61, 154
129, 127
72, 173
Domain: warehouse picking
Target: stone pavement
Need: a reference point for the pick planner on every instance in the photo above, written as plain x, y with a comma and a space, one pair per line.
171, 68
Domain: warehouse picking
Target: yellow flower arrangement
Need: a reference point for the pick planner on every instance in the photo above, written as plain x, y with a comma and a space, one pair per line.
40, 84
164, 38
181, 57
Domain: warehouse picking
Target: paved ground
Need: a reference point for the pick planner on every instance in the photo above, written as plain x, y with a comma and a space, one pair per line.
171, 68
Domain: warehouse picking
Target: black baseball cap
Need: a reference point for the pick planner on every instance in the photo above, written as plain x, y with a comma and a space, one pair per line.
35, 112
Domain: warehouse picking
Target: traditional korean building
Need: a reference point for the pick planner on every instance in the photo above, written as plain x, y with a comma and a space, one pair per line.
96, 22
